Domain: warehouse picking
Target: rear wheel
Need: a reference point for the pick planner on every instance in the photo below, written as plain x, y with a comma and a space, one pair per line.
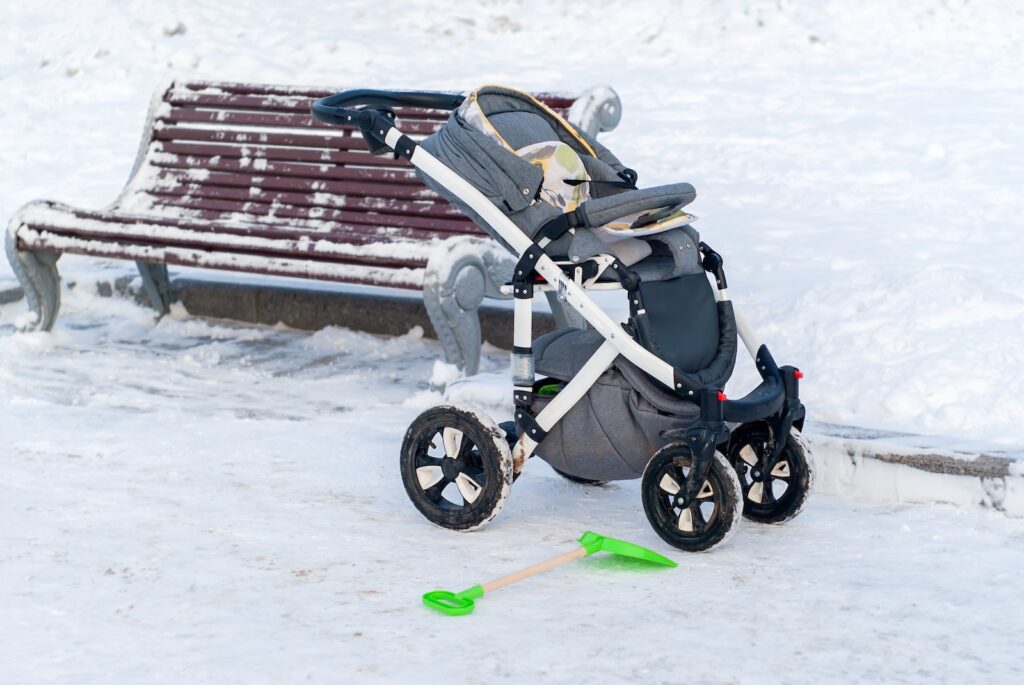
456, 466
694, 525
773, 495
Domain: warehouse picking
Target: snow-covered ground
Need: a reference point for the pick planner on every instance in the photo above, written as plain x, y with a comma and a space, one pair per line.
189, 502
186, 501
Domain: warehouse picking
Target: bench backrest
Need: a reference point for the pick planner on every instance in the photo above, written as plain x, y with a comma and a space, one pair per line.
253, 154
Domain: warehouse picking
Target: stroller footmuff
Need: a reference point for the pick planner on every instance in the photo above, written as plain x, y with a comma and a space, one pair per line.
641, 398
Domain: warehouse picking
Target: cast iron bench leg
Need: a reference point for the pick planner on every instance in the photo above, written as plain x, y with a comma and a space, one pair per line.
460, 273
39, 278
157, 284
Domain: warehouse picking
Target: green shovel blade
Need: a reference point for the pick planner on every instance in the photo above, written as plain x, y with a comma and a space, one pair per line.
600, 543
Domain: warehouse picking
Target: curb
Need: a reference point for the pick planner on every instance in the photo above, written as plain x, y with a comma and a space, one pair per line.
901, 467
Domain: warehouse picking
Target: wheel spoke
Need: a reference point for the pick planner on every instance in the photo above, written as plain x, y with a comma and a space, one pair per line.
706, 490
669, 484
748, 455
452, 438
469, 488
465, 448
756, 493
429, 476
435, 491
699, 522
781, 470
685, 522
769, 495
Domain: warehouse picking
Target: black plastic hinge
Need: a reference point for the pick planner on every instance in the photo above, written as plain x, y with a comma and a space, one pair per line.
405, 147
714, 264
522, 275
528, 425
629, 279
522, 397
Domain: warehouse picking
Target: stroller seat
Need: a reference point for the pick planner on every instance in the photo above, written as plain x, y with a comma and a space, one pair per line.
555, 168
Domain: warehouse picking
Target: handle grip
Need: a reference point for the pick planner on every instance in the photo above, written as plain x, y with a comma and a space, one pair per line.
340, 107
453, 603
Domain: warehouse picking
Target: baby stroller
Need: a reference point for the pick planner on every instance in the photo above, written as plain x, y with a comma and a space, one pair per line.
617, 400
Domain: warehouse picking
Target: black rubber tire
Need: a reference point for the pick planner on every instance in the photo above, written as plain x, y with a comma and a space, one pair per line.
482, 454
577, 479
796, 463
710, 528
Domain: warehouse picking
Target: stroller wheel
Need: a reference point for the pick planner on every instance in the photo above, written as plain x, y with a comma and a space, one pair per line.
456, 466
577, 479
698, 525
778, 495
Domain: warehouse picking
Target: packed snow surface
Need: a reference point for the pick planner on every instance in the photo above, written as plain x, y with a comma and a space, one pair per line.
185, 501
191, 502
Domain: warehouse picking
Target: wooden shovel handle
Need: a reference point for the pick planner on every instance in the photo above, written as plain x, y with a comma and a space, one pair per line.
572, 555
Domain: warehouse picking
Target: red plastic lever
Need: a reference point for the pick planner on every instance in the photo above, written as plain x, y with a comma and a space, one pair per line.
798, 374
721, 396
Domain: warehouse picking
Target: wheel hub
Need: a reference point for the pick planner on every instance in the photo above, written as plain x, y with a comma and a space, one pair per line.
450, 468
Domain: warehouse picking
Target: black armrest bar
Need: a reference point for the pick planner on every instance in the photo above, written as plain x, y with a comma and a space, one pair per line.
337, 108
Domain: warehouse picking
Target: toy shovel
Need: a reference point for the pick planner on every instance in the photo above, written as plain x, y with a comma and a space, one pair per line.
461, 603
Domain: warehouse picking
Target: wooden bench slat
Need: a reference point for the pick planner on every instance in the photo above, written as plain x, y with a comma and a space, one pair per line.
296, 154
264, 167
278, 103
343, 243
262, 210
439, 209
342, 139
552, 100
173, 177
410, 278
227, 117
62, 219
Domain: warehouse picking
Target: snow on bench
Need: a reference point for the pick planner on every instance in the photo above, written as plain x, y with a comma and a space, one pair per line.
240, 177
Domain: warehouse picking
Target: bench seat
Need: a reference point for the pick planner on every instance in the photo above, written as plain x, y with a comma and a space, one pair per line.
240, 177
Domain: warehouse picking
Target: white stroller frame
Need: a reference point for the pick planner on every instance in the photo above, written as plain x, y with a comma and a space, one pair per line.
777, 397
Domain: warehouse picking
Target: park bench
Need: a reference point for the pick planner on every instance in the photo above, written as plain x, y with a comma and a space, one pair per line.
240, 177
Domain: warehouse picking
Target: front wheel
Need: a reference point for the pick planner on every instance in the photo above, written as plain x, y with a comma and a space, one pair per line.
456, 466
779, 494
699, 524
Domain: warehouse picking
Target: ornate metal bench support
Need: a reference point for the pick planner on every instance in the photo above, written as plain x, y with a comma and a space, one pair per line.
39, 278
157, 284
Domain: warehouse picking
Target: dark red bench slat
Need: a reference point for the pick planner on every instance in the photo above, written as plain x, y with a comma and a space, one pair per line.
287, 154
355, 234
341, 140
298, 120
263, 211
264, 167
218, 259
297, 199
342, 188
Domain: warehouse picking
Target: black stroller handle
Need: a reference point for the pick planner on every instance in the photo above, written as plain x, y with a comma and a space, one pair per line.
340, 108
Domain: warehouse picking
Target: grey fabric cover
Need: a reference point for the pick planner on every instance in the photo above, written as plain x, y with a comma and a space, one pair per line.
613, 431
512, 183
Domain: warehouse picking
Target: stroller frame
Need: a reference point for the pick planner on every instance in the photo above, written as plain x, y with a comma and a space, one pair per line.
776, 400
